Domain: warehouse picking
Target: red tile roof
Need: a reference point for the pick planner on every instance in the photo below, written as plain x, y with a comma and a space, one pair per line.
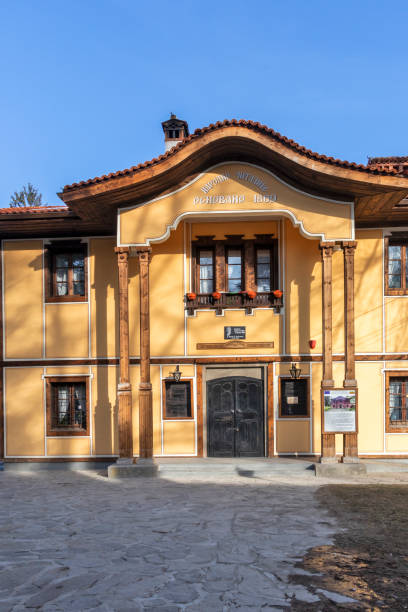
388, 160
251, 125
33, 210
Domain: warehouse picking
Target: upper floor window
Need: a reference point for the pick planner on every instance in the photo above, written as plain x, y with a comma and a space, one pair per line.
66, 272
67, 406
234, 269
206, 270
397, 403
263, 269
396, 266
234, 273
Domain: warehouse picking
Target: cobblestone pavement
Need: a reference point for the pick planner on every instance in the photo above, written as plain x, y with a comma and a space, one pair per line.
78, 541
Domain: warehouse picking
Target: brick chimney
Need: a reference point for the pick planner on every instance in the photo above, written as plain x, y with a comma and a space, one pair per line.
175, 130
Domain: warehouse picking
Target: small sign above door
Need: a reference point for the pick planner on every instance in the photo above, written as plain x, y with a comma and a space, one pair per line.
235, 333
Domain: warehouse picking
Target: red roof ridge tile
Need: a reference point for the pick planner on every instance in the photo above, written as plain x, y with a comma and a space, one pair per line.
15, 210
242, 123
393, 159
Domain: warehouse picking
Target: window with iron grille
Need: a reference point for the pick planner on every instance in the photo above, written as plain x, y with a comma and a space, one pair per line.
66, 270
396, 402
67, 406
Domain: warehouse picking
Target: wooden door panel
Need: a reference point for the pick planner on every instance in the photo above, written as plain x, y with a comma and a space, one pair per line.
249, 418
220, 415
235, 417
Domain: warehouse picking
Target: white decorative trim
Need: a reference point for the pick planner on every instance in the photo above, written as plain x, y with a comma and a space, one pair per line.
44, 376
253, 212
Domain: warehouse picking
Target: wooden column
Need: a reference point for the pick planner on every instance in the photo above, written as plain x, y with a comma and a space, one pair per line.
124, 392
328, 440
145, 386
2, 407
350, 446
249, 265
349, 348
219, 266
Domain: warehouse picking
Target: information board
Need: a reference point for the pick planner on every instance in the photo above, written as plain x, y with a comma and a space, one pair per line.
339, 410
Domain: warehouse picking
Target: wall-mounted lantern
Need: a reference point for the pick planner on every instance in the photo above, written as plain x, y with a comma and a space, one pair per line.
294, 371
176, 375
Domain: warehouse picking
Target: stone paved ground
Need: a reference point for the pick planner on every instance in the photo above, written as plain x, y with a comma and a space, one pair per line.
77, 541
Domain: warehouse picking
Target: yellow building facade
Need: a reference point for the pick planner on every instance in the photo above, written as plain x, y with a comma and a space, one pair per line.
238, 296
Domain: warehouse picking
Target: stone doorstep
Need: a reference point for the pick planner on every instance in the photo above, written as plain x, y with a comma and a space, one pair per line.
126, 469
339, 470
211, 468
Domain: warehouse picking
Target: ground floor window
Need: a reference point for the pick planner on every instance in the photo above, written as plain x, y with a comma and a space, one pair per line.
396, 402
294, 398
67, 406
177, 399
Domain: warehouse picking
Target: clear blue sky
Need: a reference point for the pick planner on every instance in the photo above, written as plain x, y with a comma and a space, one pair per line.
85, 84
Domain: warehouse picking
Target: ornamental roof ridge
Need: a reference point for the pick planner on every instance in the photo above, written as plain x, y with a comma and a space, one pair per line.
15, 210
386, 160
251, 125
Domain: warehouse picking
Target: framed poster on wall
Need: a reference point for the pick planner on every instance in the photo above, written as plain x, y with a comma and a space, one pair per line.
339, 410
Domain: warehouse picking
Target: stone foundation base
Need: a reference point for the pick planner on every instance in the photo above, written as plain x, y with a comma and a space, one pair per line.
350, 459
339, 470
127, 469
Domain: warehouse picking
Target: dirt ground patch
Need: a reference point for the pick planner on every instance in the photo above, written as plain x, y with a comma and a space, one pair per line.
369, 559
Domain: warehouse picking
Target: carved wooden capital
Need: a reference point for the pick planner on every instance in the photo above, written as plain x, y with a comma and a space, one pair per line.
348, 248
123, 254
326, 249
144, 255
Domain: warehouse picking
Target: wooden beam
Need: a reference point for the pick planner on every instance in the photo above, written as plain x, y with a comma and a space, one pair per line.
145, 386
377, 205
124, 392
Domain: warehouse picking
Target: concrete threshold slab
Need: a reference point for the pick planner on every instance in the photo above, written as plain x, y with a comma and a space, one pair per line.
246, 467
144, 468
339, 470
386, 465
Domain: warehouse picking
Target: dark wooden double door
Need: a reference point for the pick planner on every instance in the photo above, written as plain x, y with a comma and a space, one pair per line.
235, 417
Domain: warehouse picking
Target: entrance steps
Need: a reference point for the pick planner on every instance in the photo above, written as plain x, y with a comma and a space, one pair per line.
250, 467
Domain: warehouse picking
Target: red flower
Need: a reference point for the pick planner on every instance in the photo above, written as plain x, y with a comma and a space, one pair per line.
251, 294
191, 296
216, 295
277, 293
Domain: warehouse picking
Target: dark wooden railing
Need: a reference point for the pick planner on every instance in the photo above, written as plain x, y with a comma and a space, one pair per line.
204, 301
